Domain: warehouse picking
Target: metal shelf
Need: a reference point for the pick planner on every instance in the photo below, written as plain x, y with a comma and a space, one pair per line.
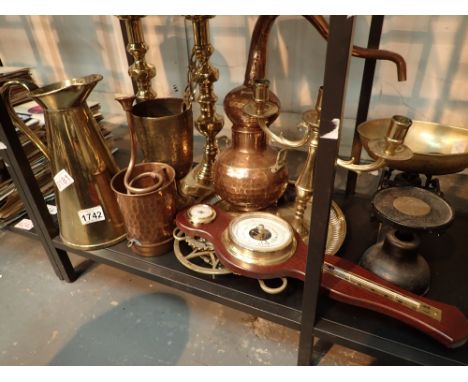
353, 327
300, 307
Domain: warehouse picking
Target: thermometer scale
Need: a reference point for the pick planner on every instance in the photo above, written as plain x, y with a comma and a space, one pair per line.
263, 246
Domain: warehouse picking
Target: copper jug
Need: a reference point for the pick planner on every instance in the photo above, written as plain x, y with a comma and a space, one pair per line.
81, 164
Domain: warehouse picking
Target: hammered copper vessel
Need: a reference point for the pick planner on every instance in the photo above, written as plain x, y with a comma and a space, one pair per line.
250, 174
149, 218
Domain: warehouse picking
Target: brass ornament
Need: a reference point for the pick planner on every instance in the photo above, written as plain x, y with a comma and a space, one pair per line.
201, 258
140, 71
201, 77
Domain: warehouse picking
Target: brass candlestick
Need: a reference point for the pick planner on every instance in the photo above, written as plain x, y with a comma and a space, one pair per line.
199, 182
305, 179
391, 147
140, 71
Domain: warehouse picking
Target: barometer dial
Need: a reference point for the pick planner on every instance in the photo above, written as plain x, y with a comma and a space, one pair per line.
261, 232
201, 214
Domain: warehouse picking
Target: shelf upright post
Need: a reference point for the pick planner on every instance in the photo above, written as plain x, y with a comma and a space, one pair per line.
31, 196
336, 70
375, 33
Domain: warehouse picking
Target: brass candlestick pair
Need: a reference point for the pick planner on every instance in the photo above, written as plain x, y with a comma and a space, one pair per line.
201, 76
199, 182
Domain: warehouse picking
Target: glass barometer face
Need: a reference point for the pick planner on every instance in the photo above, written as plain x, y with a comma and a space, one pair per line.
260, 232
201, 214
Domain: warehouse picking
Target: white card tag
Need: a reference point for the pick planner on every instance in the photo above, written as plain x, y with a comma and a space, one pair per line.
52, 209
334, 133
26, 224
62, 179
458, 147
2, 146
91, 215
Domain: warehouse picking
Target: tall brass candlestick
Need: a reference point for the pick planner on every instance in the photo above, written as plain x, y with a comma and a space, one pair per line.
140, 71
305, 179
199, 182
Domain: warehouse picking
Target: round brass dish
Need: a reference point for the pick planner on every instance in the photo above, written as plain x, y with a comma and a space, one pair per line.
260, 238
336, 225
438, 149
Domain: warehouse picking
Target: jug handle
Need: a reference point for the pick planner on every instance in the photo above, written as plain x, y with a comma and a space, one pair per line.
5, 93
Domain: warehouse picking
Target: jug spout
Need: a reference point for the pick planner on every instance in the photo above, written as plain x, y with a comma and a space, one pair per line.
66, 94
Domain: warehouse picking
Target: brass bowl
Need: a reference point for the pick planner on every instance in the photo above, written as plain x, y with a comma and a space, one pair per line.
438, 149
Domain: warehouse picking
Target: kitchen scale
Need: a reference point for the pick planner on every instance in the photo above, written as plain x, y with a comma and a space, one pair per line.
410, 211
263, 246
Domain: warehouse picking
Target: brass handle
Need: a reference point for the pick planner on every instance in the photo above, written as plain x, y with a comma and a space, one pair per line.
261, 108
281, 139
359, 168
5, 92
392, 147
277, 290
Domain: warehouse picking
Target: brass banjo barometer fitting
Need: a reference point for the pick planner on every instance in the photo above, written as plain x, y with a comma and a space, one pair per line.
199, 182
140, 71
263, 246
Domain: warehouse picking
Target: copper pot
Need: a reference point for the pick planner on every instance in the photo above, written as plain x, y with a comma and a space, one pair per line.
149, 218
250, 175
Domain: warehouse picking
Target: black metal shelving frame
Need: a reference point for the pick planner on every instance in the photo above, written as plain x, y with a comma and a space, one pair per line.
301, 307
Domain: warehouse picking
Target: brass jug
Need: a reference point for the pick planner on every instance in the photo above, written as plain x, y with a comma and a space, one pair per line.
81, 164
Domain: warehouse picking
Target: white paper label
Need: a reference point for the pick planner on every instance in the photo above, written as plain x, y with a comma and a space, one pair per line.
52, 209
458, 147
334, 133
26, 224
91, 215
62, 179
2, 146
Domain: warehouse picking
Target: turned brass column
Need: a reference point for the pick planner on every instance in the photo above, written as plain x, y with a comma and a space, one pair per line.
303, 185
199, 182
140, 71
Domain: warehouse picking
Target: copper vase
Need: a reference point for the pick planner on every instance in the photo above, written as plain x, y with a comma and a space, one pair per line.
250, 175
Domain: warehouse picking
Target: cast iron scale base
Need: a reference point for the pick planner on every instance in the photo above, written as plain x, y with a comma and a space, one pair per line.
409, 211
